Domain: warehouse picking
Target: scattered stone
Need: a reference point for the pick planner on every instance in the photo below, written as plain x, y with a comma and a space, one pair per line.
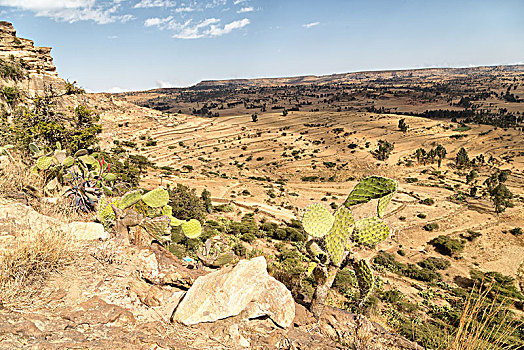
96, 311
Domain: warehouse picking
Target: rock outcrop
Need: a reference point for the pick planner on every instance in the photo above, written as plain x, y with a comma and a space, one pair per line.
227, 292
37, 62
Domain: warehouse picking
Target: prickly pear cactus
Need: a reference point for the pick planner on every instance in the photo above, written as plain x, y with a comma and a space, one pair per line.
105, 213
192, 228
130, 198
44, 162
365, 279
156, 198
317, 220
337, 239
370, 231
372, 187
158, 227
334, 236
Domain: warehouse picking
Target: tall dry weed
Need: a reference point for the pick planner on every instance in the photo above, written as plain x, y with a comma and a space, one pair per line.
485, 324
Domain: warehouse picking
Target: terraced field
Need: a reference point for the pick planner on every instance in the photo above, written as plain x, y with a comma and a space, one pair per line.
261, 166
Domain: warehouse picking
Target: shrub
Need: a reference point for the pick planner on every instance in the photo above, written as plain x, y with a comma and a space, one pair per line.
433, 263
517, 231
431, 226
428, 201
447, 246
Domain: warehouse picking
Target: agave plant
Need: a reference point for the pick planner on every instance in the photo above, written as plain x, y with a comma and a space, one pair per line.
80, 177
333, 237
83, 192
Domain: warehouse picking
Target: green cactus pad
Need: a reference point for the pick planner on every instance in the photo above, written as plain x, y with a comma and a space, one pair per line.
158, 227
68, 161
369, 188
370, 231
34, 148
130, 198
383, 202
365, 279
338, 236
192, 228
105, 213
175, 222
156, 198
109, 177
317, 220
90, 160
315, 252
44, 162
81, 152
167, 210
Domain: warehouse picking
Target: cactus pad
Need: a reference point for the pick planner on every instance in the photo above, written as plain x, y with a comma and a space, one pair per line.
130, 198
383, 202
167, 210
34, 148
156, 198
158, 227
365, 279
369, 188
44, 162
317, 220
338, 236
370, 231
105, 213
192, 228
68, 161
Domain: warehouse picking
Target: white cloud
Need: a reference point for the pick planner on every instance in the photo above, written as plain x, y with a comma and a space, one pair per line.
154, 3
72, 10
309, 25
228, 28
246, 9
185, 9
236, 2
207, 28
113, 37
116, 90
164, 84
155, 21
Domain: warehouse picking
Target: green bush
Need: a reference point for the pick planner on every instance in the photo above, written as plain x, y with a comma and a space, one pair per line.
447, 246
431, 226
434, 264
186, 204
428, 201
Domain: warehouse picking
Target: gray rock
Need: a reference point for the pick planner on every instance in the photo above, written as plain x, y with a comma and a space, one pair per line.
86, 231
229, 291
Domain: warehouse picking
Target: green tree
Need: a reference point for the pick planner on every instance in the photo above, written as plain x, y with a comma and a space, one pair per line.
402, 125
206, 199
186, 204
441, 154
254, 117
384, 150
462, 158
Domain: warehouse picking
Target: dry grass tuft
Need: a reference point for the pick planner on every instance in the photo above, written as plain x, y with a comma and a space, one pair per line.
484, 323
25, 267
17, 179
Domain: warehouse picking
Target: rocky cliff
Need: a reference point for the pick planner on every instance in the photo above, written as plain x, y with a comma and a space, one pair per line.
36, 62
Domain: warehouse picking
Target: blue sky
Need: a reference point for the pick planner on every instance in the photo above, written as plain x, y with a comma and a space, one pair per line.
114, 45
